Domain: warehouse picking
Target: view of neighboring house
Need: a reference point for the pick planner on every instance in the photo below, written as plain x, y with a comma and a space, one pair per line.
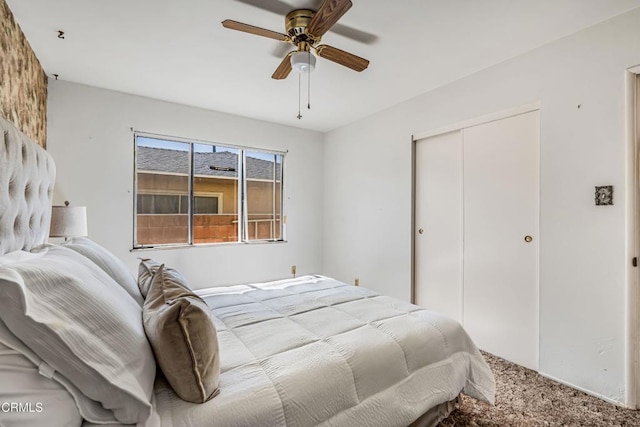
162, 199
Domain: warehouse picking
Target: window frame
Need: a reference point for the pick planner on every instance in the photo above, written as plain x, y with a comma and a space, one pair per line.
242, 208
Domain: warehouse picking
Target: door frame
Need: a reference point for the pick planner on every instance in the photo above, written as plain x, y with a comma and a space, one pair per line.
486, 118
415, 138
632, 131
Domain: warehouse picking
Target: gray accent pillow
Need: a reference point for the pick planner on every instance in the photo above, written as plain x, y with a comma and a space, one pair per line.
109, 263
184, 339
148, 268
84, 325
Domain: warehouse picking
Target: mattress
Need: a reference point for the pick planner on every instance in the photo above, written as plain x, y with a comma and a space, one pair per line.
315, 351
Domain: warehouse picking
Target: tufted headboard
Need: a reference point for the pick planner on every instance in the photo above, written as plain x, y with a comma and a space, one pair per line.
27, 175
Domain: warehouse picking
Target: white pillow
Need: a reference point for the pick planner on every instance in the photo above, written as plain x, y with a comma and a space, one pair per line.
20, 385
29, 399
111, 264
82, 324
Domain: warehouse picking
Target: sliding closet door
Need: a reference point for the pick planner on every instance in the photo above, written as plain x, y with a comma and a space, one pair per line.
438, 224
501, 199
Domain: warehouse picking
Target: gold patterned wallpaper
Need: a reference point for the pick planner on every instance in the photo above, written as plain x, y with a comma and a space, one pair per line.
23, 82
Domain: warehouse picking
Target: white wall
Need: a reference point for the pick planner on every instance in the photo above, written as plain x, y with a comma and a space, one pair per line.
91, 141
367, 174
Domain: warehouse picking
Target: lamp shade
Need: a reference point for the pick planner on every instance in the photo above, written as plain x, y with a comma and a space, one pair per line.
303, 62
67, 221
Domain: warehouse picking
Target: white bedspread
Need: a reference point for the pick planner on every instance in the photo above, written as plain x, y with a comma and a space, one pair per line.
314, 351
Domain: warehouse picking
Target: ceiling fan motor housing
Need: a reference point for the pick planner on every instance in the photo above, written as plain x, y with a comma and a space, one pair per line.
296, 23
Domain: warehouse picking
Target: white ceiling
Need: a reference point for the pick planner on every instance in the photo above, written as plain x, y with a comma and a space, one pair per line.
178, 50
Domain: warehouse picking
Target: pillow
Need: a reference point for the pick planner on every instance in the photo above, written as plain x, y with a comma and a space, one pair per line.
60, 399
148, 268
109, 263
38, 400
84, 325
179, 326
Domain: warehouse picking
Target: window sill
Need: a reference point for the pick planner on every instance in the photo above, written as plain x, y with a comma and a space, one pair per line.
206, 245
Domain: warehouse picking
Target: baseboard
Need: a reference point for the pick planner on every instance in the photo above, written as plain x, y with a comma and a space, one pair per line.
589, 392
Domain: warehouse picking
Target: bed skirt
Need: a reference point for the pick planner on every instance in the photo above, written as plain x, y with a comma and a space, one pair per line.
436, 415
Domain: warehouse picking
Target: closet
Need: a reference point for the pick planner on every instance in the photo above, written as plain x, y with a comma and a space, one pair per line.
477, 231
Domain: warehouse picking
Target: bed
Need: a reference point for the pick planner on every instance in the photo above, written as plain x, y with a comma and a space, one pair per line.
76, 345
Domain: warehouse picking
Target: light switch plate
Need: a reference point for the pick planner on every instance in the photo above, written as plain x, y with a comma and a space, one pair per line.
604, 195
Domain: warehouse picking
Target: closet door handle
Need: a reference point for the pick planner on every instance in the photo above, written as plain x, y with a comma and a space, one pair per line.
421, 231
528, 239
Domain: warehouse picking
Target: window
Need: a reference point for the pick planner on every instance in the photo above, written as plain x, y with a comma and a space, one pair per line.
168, 204
162, 204
203, 205
197, 193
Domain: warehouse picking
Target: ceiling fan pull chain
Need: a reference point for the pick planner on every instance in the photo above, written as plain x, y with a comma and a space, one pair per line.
299, 96
309, 83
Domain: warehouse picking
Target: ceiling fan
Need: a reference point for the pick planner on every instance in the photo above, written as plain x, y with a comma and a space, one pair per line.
305, 29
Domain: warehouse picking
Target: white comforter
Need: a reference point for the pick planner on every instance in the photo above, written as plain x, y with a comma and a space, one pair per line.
314, 351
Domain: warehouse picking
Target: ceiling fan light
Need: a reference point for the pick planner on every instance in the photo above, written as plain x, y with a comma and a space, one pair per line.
303, 62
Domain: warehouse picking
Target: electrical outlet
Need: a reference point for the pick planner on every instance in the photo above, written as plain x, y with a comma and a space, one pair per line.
293, 270
357, 282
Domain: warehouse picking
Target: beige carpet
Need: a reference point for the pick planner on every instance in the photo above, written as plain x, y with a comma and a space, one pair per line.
524, 398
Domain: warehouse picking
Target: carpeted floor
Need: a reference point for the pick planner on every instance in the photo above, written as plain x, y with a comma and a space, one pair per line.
524, 398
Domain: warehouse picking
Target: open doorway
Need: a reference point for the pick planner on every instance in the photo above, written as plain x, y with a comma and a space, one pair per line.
634, 282
633, 242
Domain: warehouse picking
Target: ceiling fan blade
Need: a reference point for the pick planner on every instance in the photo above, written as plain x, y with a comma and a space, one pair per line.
239, 26
341, 57
328, 14
284, 68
